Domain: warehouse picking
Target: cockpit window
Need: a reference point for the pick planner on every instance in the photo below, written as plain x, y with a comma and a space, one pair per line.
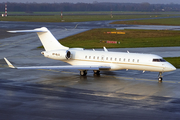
159, 60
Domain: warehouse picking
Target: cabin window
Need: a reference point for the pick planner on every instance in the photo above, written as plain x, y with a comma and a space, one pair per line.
98, 58
94, 57
102, 58
119, 59
133, 60
124, 59
89, 57
86, 57
111, 59
138, 60
128, 60
106, 58
115, 59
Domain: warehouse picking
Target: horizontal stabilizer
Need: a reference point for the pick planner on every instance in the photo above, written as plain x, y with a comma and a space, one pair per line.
35, 30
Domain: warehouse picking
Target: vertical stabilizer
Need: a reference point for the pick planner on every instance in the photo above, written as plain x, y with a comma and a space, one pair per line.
47, 39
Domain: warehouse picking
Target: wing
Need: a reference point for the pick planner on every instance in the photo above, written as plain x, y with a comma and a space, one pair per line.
77, 67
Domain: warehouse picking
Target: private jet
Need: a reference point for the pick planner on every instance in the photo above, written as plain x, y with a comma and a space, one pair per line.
85, 60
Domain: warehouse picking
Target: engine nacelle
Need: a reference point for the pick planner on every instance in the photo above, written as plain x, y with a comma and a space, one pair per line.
58, 54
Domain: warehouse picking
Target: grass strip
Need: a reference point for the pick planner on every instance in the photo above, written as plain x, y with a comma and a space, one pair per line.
131, 38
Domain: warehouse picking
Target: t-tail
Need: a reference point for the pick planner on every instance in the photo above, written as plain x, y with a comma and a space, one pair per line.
49, 42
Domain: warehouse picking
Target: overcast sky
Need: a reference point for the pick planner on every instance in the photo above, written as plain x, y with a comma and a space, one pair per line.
89, 1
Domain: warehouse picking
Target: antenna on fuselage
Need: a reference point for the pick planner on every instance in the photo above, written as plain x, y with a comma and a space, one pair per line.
105, 49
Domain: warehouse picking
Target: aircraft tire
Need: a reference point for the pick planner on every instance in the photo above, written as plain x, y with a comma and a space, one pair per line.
160, 79
96, 72
83, 73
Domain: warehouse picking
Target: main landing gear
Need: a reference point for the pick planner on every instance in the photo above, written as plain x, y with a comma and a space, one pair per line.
96, 72
160, 78
83, 73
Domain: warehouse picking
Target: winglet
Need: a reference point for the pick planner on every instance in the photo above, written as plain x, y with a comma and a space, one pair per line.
9, 64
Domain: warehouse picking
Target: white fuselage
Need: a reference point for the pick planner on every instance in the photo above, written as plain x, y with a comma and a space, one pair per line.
116, 60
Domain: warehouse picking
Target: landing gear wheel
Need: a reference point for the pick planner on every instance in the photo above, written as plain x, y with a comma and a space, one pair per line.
83, 73
96, 72
160, 79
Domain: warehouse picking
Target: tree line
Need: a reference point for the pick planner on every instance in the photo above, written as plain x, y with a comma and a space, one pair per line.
95, 6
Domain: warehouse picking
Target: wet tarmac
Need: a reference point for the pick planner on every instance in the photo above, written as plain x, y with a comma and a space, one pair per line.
60, 94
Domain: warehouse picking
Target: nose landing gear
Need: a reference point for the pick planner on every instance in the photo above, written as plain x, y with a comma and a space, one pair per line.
160, 77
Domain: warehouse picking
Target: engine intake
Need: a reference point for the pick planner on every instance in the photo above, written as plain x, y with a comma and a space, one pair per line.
68, 54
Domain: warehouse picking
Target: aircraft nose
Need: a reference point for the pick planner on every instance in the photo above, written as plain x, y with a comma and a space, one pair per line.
169, 67
173, 68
